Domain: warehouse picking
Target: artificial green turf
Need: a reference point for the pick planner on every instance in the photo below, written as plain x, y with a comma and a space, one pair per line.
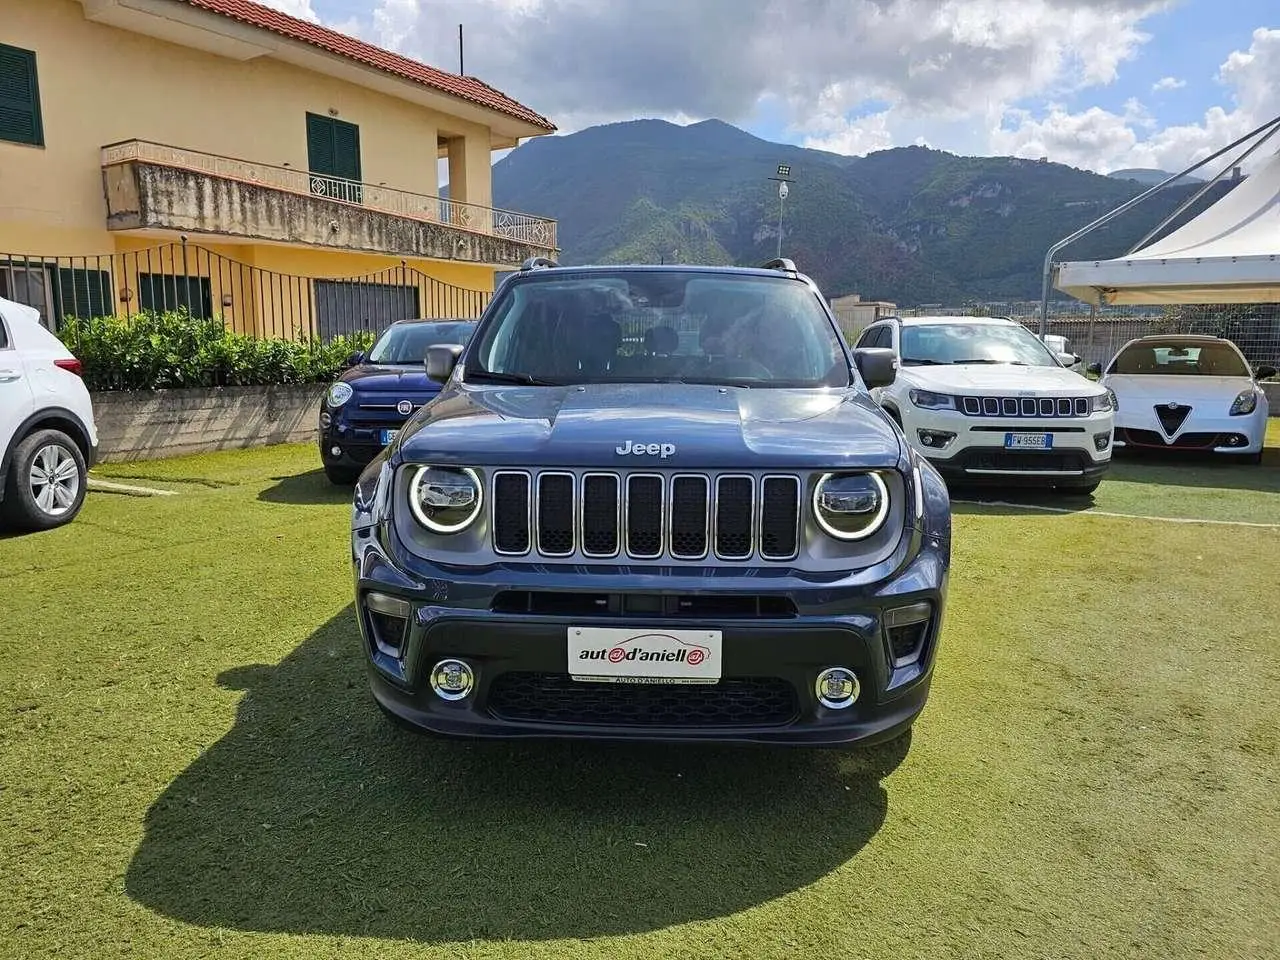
190, 764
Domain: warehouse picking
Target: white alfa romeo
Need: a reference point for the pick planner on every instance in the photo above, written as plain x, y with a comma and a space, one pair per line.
1188, 393
985, 400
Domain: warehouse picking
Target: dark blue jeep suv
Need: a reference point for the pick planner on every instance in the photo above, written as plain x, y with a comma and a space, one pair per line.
653, 502
368, 404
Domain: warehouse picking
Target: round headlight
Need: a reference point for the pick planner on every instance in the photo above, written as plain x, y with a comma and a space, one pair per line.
339, 393
445, 499
850, 506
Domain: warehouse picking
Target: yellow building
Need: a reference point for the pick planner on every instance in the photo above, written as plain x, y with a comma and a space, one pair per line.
219, 155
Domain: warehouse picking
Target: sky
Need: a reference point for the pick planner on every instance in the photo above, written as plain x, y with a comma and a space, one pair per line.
1097, 84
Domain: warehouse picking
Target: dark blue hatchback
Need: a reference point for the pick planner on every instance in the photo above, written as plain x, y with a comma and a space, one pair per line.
372, 400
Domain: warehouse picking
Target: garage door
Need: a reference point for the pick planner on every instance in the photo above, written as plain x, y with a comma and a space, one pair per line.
345, 307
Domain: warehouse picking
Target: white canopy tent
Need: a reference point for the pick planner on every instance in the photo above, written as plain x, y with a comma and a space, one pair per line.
1229, 253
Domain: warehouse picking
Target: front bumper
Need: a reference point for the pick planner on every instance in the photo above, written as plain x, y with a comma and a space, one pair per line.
976, 453
771, 655
1198, 433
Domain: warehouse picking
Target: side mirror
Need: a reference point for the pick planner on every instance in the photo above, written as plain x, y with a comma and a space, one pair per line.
878, 366
1094, 369
441, 360
1265, 371
1068, 359
355, 358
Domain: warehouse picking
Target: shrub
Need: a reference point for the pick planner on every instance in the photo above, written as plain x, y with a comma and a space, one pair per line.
149, 351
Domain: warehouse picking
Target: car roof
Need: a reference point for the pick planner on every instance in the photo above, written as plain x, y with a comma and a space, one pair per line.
14, 311
923, 321
413, 320
1178, 337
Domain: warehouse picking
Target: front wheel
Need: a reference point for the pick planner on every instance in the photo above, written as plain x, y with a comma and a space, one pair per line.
47, 482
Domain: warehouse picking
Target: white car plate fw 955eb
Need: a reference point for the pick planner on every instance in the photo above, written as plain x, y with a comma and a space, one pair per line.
621, 655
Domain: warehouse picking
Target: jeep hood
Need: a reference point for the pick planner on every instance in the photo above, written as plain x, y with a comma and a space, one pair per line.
999, 379
710, 427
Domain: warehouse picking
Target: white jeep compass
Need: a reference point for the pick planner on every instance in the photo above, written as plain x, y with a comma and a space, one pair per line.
48, 439
985, 400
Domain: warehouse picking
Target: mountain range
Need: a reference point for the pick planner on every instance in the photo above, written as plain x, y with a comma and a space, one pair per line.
911, 225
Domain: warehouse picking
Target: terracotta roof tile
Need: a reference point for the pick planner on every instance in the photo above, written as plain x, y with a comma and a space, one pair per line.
466, 88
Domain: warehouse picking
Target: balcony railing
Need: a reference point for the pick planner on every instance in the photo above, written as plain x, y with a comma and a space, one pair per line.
518, 227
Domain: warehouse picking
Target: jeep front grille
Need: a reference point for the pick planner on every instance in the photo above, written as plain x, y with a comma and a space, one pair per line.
645, 516
1024, 407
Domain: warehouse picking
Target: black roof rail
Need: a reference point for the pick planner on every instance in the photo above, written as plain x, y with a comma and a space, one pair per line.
781, 263
537, 263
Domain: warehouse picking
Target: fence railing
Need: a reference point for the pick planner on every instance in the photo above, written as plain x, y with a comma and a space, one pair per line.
1255, 329
520, 227
247, 298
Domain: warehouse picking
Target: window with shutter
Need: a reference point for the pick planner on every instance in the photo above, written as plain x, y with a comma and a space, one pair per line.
83, 293
333, 157
160, 292
19, 97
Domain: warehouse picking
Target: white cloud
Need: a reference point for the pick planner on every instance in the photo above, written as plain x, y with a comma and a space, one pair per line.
1167, 83
296, 8
1104, 141
588, 61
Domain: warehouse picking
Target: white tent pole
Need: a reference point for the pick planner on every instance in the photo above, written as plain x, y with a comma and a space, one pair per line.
1206, 188
1127, 205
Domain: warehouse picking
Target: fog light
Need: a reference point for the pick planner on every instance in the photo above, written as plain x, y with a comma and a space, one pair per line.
336, 450
935, 438
837, 687
905, 628
452, 679
325, 420
1100, 440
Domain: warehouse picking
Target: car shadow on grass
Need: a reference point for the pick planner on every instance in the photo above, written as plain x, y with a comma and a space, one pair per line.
314, 814
1191, 469
306, 489
989, 499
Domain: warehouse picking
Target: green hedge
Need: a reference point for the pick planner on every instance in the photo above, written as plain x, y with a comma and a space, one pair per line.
149, 351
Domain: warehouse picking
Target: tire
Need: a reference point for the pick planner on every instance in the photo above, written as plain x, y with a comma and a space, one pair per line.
1253, 459
341, 476
31, 502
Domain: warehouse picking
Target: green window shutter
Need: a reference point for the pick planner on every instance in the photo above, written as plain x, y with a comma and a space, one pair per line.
346, 150
20, 120
82, 293
320, 158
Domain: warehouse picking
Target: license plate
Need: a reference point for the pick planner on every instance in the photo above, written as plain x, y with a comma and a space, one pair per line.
621, 655
1028, 441
389, 435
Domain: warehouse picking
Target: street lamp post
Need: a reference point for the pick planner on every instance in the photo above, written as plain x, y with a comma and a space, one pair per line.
784, 179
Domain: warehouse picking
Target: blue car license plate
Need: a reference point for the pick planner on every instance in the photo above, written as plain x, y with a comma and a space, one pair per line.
1028, 441
388, 436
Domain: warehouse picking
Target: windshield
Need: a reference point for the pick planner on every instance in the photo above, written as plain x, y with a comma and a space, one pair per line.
406, 343
1181, 359
962, 342
651, 326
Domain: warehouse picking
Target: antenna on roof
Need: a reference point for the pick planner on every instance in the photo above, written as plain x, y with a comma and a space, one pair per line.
461, 71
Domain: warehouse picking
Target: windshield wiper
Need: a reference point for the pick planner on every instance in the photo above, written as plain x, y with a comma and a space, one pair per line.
921, 361
1011, 363
522, 379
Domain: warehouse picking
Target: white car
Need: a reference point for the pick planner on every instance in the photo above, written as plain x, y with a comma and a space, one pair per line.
985, 400
1188, 393
48, 439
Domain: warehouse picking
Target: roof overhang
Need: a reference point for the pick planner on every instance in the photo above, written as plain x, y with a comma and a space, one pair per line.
1172, 281
188, 26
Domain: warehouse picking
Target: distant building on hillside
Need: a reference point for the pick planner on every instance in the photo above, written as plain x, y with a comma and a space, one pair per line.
854, 313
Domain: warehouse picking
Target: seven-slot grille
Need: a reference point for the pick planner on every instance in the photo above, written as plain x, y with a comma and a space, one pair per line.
645, 516
1024, 406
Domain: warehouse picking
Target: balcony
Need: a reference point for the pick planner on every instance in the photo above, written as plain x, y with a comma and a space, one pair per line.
150, 186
